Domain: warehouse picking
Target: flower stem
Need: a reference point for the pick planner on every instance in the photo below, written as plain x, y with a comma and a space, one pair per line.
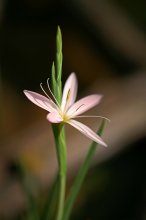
62, 167
81, 176
62, 180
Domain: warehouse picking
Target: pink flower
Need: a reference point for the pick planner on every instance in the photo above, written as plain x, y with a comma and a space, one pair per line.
69, 109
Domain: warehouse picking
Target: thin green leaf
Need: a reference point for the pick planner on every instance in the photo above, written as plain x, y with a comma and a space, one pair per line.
32, 207
51, 202
59, 40
59, 54
53, 79
32, 213
57, 68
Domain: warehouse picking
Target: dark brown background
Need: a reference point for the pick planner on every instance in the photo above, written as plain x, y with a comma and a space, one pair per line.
104, 42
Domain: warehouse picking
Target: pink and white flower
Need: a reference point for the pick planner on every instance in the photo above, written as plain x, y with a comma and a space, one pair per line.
69, 109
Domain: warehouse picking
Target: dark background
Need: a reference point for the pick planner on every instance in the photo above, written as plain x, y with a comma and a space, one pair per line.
103, 41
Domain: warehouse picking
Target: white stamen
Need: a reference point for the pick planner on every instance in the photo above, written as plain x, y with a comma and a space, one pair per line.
52, 92
44, 90
92, 116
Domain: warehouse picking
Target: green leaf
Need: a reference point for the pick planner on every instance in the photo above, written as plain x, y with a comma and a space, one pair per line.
32, 212
59, 40
53, 80
58, 54
81, 176
49, 210
57, 69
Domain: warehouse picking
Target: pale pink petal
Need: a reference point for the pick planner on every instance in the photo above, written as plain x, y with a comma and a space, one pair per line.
54, 117
87, 132
83, 105
41, 101
69, 92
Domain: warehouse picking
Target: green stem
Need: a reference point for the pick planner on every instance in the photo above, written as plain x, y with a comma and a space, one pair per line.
61, 197
81, 176
61, 156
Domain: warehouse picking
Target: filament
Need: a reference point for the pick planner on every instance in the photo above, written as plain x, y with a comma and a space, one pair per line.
44, 90
52, 92
92, 116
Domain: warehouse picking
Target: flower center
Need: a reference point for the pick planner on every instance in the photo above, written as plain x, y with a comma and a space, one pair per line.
64, 116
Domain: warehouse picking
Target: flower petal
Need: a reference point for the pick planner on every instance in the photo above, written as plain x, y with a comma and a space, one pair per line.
54, 117
87, 132
83, 105
41, 101
69, 92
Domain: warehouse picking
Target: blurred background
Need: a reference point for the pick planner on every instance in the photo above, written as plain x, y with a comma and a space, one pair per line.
104, 43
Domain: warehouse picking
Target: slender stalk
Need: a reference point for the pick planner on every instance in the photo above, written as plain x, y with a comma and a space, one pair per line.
81, 176
61, 155
61, 198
